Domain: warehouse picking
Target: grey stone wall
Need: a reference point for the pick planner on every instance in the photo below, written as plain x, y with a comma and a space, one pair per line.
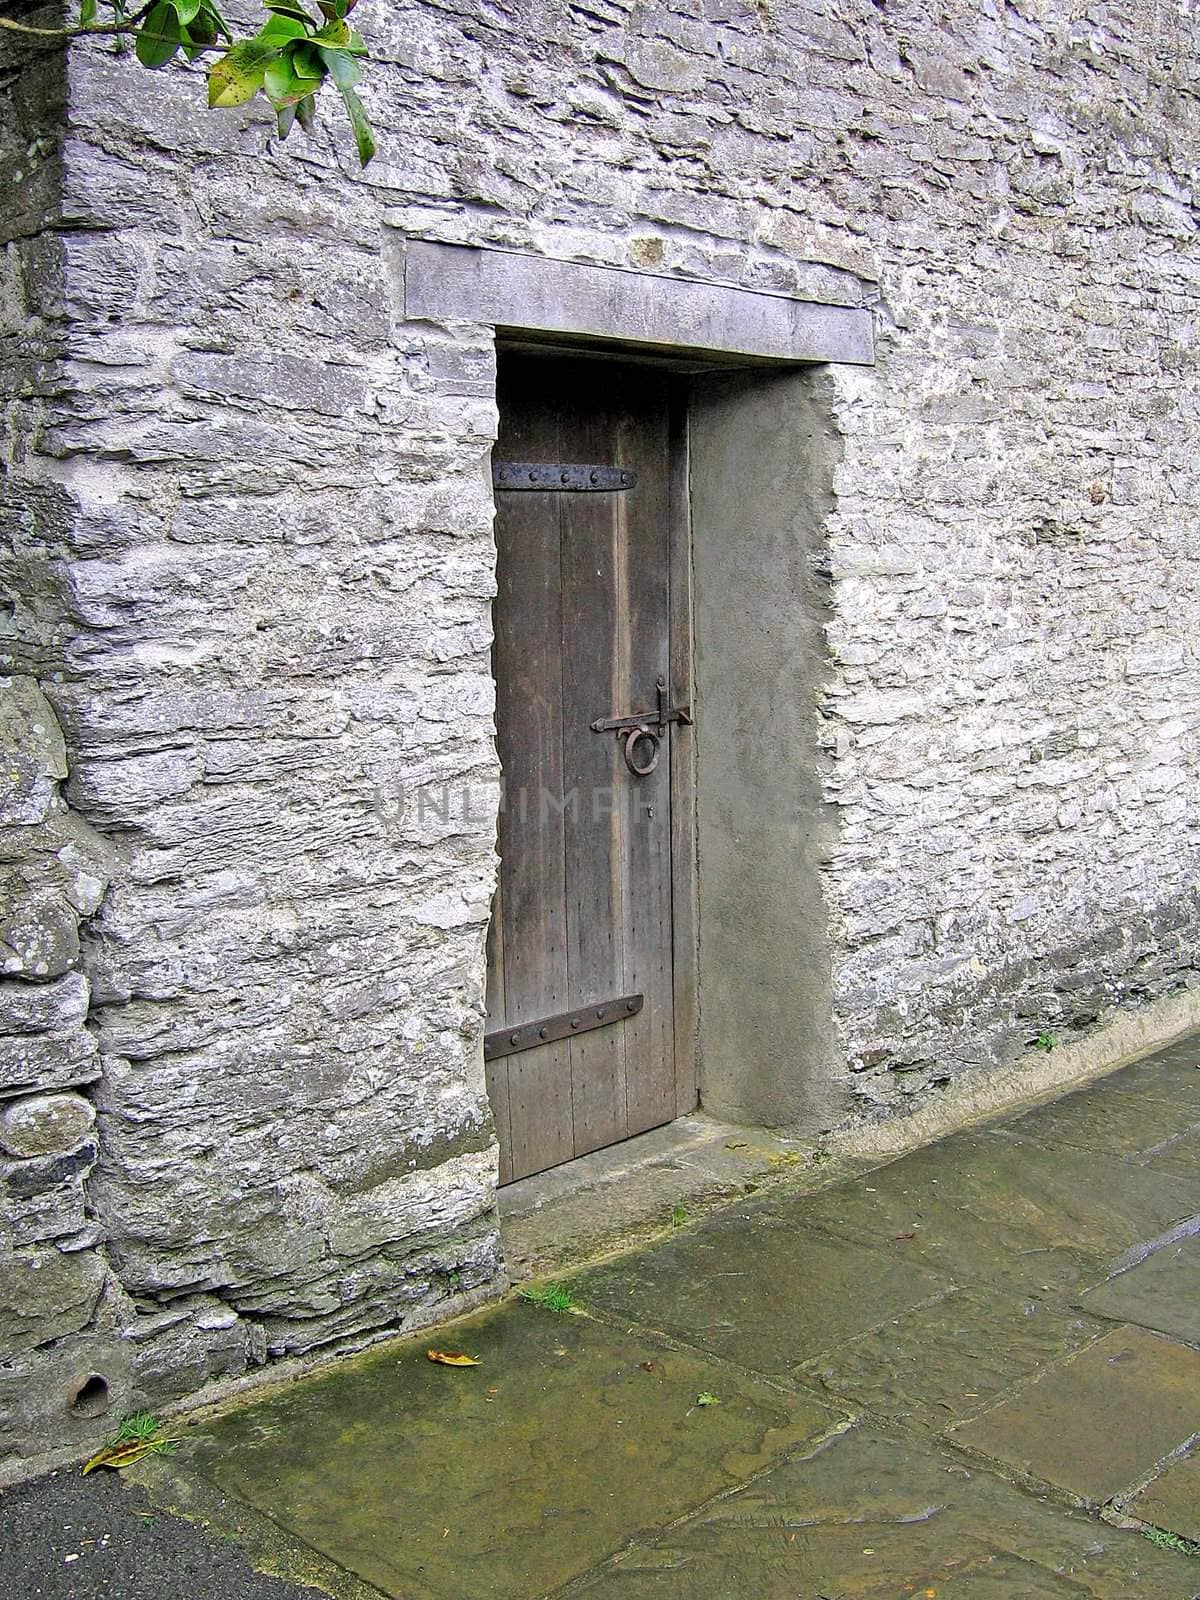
252, 537
251, 975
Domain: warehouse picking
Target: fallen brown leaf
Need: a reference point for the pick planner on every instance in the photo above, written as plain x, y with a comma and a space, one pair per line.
451, 1358
123, 1454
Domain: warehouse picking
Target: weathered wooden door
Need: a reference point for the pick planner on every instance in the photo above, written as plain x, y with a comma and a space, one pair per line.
581, 1048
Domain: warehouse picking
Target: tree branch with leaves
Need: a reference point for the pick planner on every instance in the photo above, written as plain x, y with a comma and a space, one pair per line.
287, 60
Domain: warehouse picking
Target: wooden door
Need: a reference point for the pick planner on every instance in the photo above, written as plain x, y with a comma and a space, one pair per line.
581, 935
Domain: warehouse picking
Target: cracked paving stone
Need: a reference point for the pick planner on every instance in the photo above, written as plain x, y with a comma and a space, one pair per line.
505, 1479
1162, 1293
942, 1363
867, 1517
1096, 1422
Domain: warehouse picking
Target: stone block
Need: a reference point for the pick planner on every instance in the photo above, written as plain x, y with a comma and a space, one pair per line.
32, 755
197, 1341
46, 1294
1161, 1292
45, 1124
41, 1061
1172, 1501
39, 930
43, 1007
43, 1199
277, 380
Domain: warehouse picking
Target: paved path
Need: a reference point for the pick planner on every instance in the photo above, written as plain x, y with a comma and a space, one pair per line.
972, 1373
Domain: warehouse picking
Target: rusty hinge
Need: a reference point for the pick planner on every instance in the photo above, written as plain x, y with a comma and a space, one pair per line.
547, 477
507, 1041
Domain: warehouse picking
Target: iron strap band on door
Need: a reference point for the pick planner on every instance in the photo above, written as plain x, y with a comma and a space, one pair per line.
547, 477
508, 1041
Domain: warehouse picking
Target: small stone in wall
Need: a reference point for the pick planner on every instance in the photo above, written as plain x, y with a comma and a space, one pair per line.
32, 753
44, 1124
39, 934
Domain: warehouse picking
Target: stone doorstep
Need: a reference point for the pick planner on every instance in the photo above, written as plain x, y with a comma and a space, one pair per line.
628, 1193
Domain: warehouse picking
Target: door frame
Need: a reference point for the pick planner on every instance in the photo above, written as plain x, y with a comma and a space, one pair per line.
685, 931
754, 473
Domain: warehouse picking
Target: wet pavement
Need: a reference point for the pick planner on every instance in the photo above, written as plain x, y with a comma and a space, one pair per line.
973, 1372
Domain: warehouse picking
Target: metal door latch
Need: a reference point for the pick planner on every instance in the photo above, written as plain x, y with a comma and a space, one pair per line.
646, 727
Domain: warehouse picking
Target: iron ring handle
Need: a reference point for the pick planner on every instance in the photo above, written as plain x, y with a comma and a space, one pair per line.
631, 742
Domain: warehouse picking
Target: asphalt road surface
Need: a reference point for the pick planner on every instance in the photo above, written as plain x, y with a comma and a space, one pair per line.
66, 1537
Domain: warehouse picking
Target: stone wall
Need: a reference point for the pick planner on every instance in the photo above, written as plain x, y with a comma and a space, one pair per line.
253, 540
222, 571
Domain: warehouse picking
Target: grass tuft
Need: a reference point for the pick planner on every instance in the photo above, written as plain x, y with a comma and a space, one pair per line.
550, 1296
1171, 1541
141, 1425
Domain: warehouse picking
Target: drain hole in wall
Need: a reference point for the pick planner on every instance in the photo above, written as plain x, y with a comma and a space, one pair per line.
92, 1398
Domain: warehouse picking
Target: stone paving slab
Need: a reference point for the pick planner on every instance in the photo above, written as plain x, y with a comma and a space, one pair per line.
1162, 1293
506, 1479
1172, 1073
1180, 1155
1099, 1421
943, 1363
1111, 1118
913, 1372
868, 1517
754, 1287
1001, 1212
1172, 1501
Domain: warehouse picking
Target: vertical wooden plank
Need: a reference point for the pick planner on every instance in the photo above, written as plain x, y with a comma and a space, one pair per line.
591, 680
646, 815
496, 1072
528, 647
684, 928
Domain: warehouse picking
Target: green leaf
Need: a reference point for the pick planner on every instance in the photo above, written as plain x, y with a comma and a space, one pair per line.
285, 118
280, 31
308, 63
238, 76
285, 82
289, 8
209, 10
198, 36
335, 34
306, 113
158, 37
186, 10
87, 13
343, 69
364, 137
